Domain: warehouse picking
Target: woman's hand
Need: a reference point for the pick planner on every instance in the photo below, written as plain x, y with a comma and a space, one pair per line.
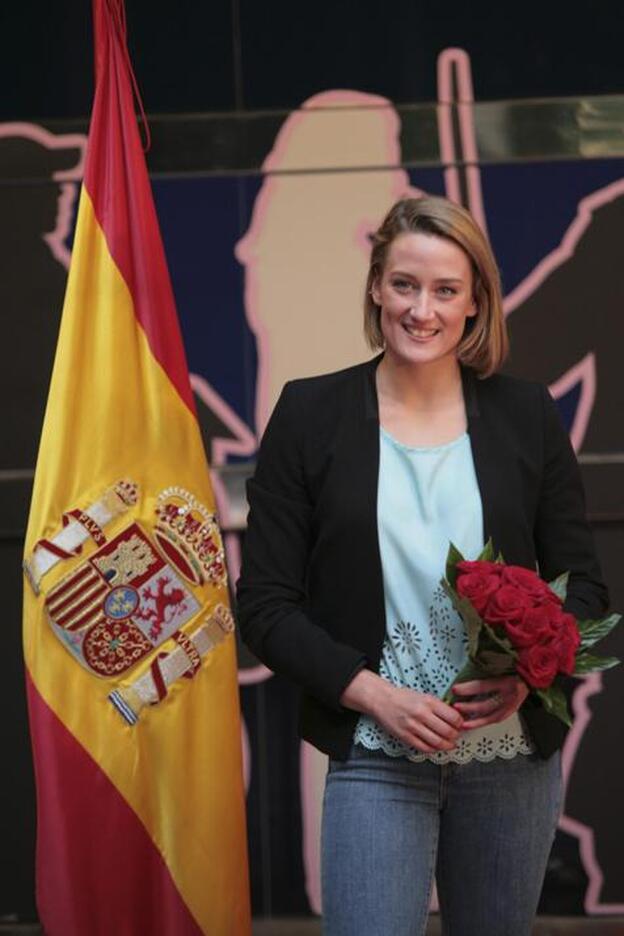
506, 695
419, 720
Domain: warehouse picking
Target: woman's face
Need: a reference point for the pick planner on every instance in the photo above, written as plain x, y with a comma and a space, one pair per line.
426, 294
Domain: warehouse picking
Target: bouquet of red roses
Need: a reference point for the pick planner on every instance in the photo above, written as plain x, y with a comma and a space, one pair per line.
515, 623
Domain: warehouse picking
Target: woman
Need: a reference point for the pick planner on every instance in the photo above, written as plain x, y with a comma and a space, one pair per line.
363, 478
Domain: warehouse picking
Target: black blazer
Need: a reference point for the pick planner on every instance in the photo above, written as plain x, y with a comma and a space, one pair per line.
310, 595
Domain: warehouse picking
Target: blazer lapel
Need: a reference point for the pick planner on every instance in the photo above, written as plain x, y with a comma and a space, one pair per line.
364, 481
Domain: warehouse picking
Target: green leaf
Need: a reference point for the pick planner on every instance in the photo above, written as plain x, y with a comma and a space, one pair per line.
487, 554
554, 701
560, 585
453, 557
469, 616
495, 663
499, 559
593, 631
498, 641
587, 663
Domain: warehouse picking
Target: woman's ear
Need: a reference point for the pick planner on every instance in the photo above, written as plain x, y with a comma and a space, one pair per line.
374, 291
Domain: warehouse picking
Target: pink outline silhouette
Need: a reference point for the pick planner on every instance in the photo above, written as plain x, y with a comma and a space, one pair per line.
274, 165
584, 373
271, 168
243, 443
69, 191
448, 61
566, 248
585, 369
592, 684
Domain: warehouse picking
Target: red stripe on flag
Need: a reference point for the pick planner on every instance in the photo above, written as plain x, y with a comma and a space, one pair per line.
57, 607
117, 182
71, 583
98, 871
85, 603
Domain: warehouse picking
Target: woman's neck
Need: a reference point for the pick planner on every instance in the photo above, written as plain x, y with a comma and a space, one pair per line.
429, 387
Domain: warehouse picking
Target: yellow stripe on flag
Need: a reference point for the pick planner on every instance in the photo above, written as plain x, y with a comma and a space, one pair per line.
126, 420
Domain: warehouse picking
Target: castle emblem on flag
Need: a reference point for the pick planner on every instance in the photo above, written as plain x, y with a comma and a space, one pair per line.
135, 593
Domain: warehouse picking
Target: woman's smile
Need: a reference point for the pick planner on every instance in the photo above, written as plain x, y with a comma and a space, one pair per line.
420, 334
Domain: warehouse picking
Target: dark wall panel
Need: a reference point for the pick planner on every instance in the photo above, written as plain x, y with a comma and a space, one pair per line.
183, 55
228, 54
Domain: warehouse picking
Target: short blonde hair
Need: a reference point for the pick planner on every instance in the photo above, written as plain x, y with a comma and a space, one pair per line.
485, 344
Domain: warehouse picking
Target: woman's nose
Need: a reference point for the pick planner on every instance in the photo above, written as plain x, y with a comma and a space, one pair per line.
421, 306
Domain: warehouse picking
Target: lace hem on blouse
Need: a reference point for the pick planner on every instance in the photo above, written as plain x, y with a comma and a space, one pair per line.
505, 740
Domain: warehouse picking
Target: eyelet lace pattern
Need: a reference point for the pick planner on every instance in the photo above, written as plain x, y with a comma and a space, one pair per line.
427, 660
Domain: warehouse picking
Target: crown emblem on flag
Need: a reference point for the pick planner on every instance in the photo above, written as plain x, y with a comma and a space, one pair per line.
189, 536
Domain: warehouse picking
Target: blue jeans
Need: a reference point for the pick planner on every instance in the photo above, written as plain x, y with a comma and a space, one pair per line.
484, 829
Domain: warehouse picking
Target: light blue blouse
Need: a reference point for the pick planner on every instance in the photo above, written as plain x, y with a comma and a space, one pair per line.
428, 497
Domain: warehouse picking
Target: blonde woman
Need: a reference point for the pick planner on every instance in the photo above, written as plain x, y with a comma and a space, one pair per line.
363, 478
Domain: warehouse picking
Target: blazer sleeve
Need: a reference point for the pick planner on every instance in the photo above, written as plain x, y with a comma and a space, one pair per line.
564, 540
272, 600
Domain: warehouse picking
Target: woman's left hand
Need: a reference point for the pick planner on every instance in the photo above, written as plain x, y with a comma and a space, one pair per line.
506, 695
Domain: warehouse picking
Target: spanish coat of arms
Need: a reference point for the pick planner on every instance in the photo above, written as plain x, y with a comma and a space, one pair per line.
116, 607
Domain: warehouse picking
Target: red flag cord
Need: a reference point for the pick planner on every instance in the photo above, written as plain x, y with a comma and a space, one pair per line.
117, 18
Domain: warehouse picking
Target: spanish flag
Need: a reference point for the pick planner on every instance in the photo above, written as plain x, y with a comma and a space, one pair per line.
130, 656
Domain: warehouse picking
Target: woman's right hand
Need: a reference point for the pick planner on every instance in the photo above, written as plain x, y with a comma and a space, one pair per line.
417, 719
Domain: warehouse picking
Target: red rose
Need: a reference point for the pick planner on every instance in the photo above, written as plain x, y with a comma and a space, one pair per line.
530, 582
567, 642
538, 625
538, 664
549, 597
477, 587
482, 566
507, 605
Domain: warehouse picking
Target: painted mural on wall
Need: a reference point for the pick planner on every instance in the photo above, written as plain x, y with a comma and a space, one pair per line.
278, 295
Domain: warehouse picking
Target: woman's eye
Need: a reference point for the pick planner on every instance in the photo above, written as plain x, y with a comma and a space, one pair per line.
447, 291
402, 285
